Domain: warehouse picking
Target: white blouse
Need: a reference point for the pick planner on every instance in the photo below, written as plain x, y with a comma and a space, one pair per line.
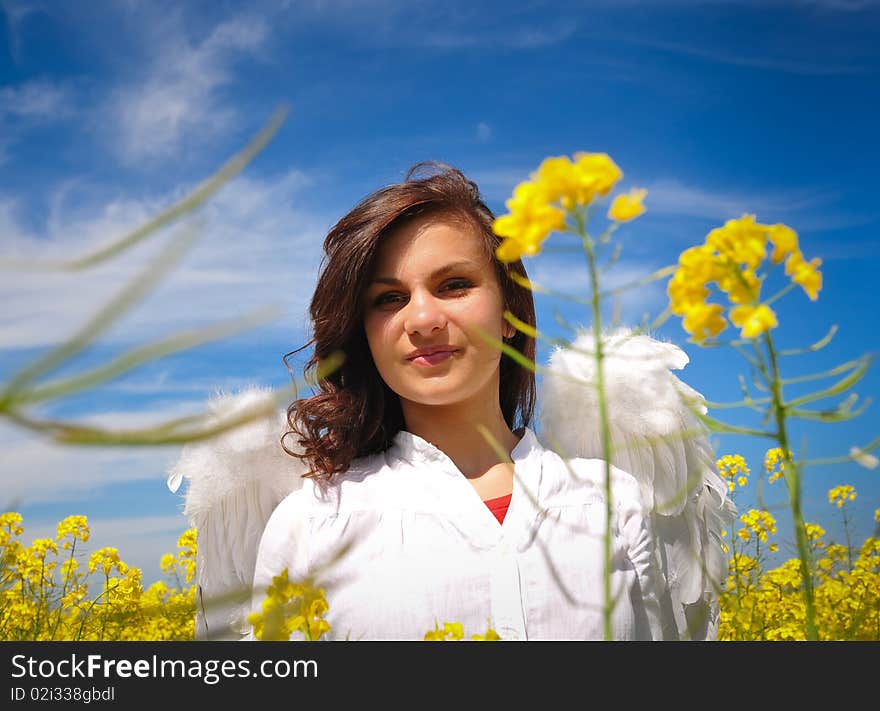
423, 549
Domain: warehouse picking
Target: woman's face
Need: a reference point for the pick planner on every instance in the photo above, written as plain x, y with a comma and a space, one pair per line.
432, 283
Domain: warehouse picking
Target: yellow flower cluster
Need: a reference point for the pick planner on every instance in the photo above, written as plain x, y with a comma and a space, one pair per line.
774, 464
758, 523
42, 598
815, 535
107, 559
72, 529
840, 495
734, 470
290, 607
731, 258
182, 567
538, 206
628, 206
769, 605
454, 632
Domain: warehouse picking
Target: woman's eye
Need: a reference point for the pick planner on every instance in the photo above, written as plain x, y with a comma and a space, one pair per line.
459, 284
386, 299
392, 297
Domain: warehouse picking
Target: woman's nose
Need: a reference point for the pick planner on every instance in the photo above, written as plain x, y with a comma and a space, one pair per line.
423, 314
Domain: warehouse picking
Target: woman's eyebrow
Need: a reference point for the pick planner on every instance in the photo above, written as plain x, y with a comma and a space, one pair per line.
439, 272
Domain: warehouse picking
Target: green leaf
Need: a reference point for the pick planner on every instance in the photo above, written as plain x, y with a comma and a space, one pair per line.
821, 343
859, 369
724, 428
140, 355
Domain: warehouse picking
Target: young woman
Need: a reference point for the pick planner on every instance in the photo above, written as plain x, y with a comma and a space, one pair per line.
409, 518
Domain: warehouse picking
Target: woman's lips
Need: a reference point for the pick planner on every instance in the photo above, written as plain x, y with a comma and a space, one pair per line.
433, 359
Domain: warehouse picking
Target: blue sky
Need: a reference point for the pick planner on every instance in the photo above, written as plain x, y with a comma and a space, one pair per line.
110, 111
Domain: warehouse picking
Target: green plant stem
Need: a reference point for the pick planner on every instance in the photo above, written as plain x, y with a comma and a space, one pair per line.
603, 417
793, 481
64, 590
42, 599
849, 548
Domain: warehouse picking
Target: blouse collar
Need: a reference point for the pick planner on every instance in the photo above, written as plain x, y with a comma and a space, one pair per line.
416, 450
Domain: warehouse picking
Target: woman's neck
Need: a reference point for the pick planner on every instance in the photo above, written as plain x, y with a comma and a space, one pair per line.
459, 435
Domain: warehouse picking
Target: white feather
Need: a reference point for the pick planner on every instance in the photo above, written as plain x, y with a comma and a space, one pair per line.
235, 481
657, 437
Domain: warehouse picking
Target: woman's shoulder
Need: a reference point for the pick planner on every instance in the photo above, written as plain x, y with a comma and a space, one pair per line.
319, 496
590, 473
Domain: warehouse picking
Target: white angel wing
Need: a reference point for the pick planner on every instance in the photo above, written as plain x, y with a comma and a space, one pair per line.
235, 481
658, 439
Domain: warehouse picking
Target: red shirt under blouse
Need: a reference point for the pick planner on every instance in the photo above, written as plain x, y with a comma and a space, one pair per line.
499, 506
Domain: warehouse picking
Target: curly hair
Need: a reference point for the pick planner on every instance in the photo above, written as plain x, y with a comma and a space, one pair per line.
354, 413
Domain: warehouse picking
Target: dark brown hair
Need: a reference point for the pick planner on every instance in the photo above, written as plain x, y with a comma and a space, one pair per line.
354, 413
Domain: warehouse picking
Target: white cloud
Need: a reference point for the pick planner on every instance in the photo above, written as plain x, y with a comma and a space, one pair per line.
28, 105
163, 384
178, 98
673, 197
506, 37
258, 248
781, 64
563, 276
484, 131
804, 209
36, 470
497, 184
34, 100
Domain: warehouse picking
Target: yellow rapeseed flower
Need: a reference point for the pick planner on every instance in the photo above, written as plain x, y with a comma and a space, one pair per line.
733, 469
758, 522
11, 521
167, 563
289, 607
840, 495
107, 559
704, 321
530, 221
784, 240
451, 632
742, 286
41, 547
315, 619
539, 205
489, 636
76, 527
685, 293
753, 320
731, 257
576, 183
700, 264
814, 534
741, 241
627, 207
559, 183
804, 273
598, 171
772, 459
